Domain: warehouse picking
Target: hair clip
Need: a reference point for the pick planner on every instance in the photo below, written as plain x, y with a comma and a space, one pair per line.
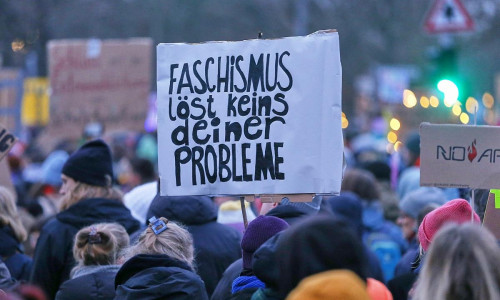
157, 225
94, 237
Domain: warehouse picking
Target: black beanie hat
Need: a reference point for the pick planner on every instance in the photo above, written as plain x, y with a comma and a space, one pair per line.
91, 164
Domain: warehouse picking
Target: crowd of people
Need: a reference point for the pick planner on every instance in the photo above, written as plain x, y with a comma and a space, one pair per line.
90, 224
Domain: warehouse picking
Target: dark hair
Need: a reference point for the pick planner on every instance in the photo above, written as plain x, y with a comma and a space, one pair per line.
362, 183
144, 168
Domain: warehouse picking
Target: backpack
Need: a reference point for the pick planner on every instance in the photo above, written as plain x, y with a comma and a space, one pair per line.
387, 251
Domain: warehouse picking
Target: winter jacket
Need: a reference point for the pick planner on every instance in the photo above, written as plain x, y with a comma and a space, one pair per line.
223, 289
216, 245
19, 264
374, 222
404, 265
290, 214
53, 259
148, 276
90, 282
244, 294
6, 280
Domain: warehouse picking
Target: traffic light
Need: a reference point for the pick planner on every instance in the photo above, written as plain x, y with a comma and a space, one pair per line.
447, 79
450, 91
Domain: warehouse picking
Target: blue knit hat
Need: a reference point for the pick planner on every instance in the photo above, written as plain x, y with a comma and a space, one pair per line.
311, 208
52, 166
91, 164
258, 231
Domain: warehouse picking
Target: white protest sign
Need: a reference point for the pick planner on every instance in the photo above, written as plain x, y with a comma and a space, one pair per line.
460, 156
250, 117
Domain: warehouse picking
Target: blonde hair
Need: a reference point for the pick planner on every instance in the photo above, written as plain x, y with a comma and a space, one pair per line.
175, 242
9, 215
99, 244
462, 263
84, 191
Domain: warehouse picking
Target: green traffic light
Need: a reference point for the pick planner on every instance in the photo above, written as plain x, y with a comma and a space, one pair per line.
450, 91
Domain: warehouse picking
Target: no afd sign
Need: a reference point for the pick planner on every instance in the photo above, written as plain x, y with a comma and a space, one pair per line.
461, 156
250, 117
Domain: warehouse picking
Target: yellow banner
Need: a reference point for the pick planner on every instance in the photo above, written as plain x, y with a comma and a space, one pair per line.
35, 110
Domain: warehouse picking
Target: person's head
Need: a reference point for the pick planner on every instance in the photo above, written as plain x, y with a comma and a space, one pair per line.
52, 167
412, 148
142, 170
100, 244
349, 206
462, 263
454, 211
412, 204
315, 245
310, 208
257, 232
362, 183
337, 284
9, 215
175, 242
88, 173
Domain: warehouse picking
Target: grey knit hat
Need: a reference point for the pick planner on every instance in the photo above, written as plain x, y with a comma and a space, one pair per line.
310, 208
416, 200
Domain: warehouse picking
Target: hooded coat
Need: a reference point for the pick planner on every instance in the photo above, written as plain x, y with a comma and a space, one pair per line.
53, 259
146, 276
216, 245
17, 262
90, 282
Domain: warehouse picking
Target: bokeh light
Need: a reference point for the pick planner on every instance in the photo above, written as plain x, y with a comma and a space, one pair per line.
345, 123
464, 118
488, 100
409, 99
424, 102
434, 101
395, 124
392, 137
471, 105
398, 145
456, 109
17, 45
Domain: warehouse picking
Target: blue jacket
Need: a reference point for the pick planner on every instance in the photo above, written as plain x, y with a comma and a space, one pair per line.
216, 245
373, 221
158, 277
17, 262
53, 259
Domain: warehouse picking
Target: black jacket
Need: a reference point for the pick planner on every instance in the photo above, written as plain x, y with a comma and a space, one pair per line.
216, 245
99, 285
290, 214
53, 259
223, 288
158, 277
19, 264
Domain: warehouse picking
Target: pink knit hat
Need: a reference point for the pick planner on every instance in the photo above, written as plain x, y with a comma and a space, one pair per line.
457, 211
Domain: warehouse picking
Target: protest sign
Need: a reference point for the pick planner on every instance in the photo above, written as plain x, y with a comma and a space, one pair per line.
5, 178
492, 214
106, 81
460, 156
7, 140
11, 94
250, 117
